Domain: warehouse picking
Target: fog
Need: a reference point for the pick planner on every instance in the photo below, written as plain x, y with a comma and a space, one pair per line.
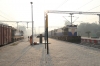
3, 23
89, 30
27, 32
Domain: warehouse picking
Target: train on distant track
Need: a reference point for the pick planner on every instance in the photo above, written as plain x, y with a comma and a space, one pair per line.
9, 34
66, 33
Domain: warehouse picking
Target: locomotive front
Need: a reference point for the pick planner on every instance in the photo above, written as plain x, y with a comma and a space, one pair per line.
72, 34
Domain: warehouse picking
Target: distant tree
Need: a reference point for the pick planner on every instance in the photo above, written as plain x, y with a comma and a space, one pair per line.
83, 29
88, 33
98, 33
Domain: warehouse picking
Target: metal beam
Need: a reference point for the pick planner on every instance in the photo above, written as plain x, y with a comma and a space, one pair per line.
73, 12
15, 21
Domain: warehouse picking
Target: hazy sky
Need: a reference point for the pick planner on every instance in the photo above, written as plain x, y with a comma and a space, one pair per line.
20, 10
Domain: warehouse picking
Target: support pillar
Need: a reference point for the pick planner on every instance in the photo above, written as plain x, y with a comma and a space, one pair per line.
17, 24
99, 18
71, 17
27, 24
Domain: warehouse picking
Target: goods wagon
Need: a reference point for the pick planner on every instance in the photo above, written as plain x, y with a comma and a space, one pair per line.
2, 33
21, 32
7, 34
59, 33
53, 32
49, 34
16, 34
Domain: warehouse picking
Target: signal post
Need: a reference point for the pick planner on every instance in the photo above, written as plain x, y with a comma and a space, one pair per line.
46, 31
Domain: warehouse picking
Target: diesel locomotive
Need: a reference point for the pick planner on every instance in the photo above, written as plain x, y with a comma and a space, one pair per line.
66, 33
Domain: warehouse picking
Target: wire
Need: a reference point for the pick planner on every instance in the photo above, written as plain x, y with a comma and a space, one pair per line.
4, 17
66, 19
84, 4
75, 19
62, 4
5, 14
7, 18
94, 8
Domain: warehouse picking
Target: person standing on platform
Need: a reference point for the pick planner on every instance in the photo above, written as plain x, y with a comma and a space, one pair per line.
31, 40
28, 38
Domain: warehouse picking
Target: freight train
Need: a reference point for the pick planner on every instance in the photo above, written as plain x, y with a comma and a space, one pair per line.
66, 33
8, 34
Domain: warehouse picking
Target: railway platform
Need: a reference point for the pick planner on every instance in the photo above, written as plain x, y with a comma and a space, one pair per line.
95, 41
61, 53
21, 54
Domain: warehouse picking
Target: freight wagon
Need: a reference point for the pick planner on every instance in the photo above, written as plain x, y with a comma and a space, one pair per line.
7, 34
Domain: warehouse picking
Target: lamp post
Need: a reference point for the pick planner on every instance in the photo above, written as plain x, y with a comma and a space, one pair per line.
27, 24
32, 20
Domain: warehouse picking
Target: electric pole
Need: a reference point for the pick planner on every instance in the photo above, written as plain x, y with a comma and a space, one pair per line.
99, 18
32, 20
27, 24
17, 24
71, 17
